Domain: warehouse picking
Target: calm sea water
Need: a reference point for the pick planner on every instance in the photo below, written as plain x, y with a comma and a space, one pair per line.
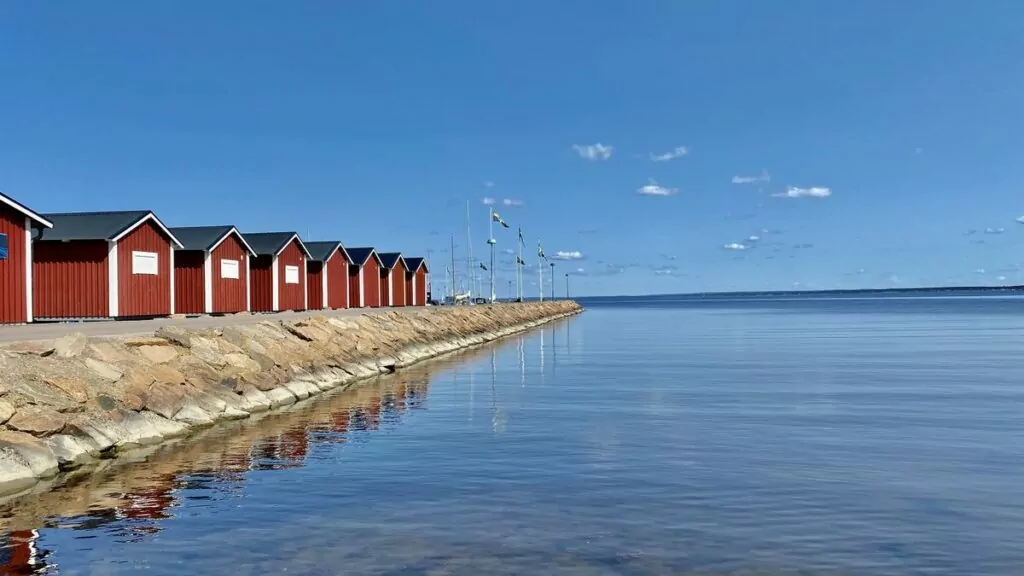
782, 436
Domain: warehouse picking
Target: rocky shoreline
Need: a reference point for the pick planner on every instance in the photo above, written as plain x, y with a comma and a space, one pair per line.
66, 404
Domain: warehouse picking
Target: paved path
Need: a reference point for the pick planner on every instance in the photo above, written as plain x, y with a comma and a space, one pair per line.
50, 330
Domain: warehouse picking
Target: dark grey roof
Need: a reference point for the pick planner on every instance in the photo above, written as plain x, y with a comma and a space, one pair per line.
200, 237
271, 243
389, 259
321, 251
415, 262
361, 255
97, 225
36, 218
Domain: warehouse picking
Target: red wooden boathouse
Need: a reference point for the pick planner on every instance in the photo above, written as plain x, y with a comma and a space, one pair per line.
392, 279
327, 276
17, 224
103, 264
364, 278
416, 282
211, 271
277, 275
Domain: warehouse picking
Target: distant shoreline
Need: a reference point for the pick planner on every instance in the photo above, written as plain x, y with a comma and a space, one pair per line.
950, 290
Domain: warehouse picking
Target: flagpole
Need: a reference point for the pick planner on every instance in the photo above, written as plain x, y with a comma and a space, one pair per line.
492, 242
519, 267
469, 256
540, 271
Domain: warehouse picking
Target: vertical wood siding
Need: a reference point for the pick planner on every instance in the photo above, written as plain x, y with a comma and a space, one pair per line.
189, 282
409, 296
353, 287
314, 285
144, 294
69, 279
229, 293
291, 296
421, 287
13, 277
371, 283
261, 278
398, 288
384, 288
337, 282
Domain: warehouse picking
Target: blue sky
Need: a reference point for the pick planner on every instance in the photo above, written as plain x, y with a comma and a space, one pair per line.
375, 122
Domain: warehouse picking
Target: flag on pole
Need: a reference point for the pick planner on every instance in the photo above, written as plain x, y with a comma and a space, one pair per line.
520, 261
521, 241
540, 251
482, 266
497, 218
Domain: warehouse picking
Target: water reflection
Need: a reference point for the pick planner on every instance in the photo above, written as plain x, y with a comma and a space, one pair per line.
132, 502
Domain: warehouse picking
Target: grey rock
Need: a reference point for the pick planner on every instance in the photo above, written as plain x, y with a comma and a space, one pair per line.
15, 473
6, 411
158, 354
280, 397
234, 414
299, 389
33, 452
253, 400
104, 370
42, 349
70, 345
166, 428
193, 415
176, 335
70, 451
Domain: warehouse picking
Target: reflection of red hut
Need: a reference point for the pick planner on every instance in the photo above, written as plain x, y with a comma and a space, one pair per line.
103, 264
153, 502
278, 272
364, 278
16, 225
416, 282
328, 282
20, 554
392, 279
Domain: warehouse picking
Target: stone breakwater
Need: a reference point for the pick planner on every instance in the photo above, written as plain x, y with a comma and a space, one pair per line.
66, 403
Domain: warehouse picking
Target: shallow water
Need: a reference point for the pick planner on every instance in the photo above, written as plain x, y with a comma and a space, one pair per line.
635, 439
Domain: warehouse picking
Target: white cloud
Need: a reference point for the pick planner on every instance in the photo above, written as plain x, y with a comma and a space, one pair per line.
764, 177
979, 271
488, 201
512, 202
593, 151
579, 270
735, 246
753, 238
992, 231
1020, 219
488, 184
654, 189
813, 192
664, 271
568, 255
509, 251
1001, 278
676, 152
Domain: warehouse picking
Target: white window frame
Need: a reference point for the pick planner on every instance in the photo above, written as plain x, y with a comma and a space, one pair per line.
230, 262
288, 270
154, 257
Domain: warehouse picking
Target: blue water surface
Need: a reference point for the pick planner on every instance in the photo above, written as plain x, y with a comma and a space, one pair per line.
755, 436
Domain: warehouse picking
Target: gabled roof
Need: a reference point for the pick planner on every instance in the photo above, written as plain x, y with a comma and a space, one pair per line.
112, 226
206, 238
273, 243
359, 256
322, 251
391, 259
415, 263
5, 199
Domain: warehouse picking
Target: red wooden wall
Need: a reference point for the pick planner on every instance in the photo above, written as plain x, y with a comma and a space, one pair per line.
371, 284
398, 285
315, 284
353, 287
384, 287
13, 276
229, 293
69, 279
291, 296
421, 287
408, 289
261, 279
189, 282
337, 282
143, 294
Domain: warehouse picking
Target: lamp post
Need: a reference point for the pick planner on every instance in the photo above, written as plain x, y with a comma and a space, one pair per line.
566, 285
552, 280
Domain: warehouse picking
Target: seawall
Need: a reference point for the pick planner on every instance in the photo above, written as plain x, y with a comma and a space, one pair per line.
68, 403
